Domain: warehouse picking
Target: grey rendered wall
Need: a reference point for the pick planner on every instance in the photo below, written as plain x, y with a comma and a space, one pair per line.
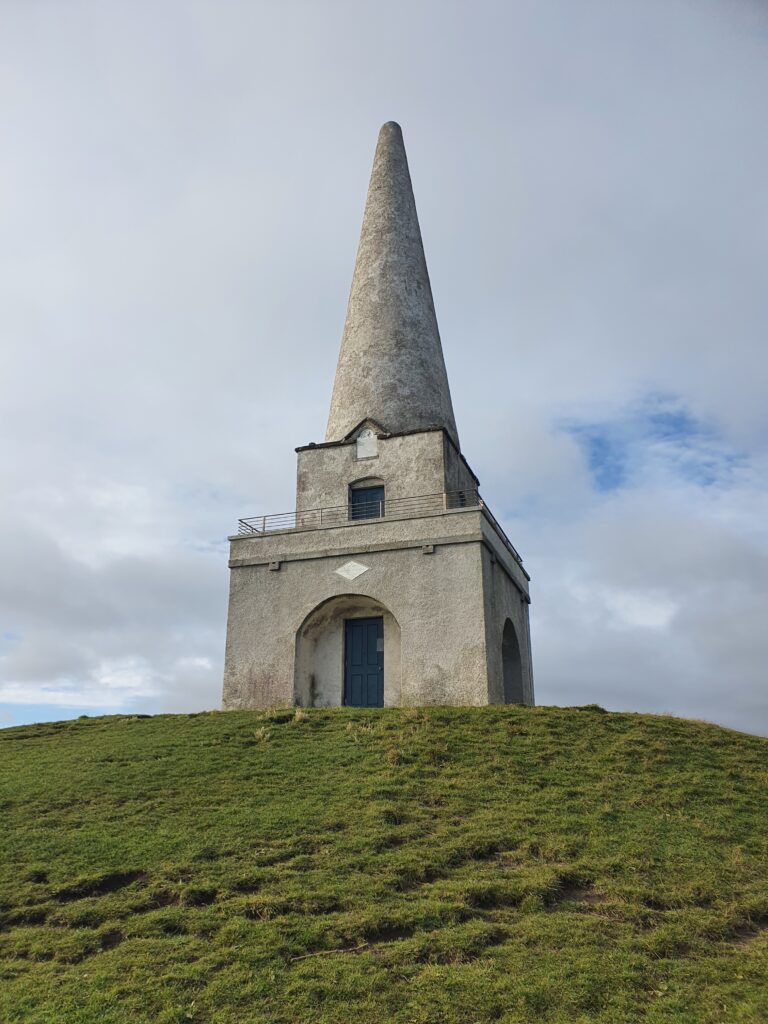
504, 600
458, 476
260, 643
437, 600
354, 538
409, 465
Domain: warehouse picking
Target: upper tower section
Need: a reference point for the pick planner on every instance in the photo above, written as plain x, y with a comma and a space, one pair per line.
391, 368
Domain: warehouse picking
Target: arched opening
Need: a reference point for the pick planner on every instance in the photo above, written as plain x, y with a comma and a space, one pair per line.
512, 665
325, 674
366, 498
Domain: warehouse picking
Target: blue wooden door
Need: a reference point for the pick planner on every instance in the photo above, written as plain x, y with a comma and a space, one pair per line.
364, 663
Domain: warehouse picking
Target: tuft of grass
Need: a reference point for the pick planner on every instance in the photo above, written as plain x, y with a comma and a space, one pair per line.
414, 865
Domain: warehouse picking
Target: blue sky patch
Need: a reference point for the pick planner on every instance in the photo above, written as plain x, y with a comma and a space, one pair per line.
607, 455
9, 639
657, 436
27, 714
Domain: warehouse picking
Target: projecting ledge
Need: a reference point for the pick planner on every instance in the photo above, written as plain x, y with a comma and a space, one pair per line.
415, 544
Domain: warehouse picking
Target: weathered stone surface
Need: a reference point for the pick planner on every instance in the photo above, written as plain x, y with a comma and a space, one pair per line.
455, 623
409, 465
444, 615
391, 367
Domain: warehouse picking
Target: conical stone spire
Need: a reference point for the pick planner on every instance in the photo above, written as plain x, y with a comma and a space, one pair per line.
391, 366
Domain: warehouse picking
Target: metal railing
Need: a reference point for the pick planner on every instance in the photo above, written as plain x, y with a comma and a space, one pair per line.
497, 527
366, 512
343, 515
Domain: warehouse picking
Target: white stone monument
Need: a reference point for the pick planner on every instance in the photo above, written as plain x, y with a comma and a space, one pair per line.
391, 583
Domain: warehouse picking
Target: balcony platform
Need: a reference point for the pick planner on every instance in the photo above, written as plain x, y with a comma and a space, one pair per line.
425, 521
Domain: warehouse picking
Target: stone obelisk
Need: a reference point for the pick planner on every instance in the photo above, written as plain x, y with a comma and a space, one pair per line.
391, 367
391, 582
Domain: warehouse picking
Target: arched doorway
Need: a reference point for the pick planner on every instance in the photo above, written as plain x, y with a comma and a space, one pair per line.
342, 639
512, 665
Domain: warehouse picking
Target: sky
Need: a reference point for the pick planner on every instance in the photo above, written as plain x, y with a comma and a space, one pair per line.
181, 190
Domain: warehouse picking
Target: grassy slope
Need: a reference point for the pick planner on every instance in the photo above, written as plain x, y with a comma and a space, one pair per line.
506, 864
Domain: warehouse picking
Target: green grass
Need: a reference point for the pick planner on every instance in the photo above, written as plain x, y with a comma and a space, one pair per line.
419, 866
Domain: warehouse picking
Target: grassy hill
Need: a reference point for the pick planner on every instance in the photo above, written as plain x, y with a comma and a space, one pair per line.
419, 866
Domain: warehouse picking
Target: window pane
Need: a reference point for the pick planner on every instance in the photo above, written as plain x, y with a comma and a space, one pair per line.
366, 503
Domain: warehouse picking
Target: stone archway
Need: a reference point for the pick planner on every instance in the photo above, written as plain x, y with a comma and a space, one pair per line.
319, 664
512, 665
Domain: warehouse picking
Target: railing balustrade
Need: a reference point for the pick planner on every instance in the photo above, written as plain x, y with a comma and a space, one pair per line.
361, 513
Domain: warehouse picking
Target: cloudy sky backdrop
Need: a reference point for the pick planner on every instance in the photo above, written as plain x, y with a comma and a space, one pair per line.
181, 190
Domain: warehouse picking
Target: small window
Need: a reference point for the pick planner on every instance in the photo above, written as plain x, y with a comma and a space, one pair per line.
366, 502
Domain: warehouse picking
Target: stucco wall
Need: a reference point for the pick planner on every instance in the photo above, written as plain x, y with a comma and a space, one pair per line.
436, 598
504, 600
457, 474
409, 465
363, 535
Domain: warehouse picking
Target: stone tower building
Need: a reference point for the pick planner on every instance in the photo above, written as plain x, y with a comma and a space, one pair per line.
392, 582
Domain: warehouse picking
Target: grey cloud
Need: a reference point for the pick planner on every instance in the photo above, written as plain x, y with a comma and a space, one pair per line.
184, 189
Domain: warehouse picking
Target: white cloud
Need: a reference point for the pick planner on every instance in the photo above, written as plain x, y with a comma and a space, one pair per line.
111, 682
182, 196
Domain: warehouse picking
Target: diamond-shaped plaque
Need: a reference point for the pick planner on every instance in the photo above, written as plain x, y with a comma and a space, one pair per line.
351, 570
